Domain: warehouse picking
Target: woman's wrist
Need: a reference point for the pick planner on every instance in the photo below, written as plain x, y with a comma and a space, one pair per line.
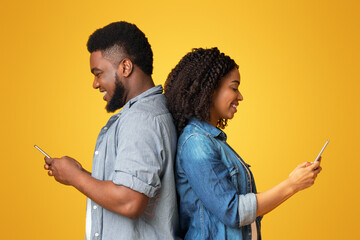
290, 186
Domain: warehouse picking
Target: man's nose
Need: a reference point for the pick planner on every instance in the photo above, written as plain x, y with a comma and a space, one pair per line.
96, 84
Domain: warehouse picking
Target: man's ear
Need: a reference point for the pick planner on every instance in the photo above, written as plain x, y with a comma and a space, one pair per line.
126, 67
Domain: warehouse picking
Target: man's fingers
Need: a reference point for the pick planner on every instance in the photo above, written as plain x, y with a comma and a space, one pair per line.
47, 167
48, 160
50, 173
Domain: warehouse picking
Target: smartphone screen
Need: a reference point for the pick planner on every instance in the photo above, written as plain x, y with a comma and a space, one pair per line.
42, 151
322, 150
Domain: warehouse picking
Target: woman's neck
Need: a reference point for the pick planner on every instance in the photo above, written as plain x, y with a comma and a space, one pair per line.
213, 119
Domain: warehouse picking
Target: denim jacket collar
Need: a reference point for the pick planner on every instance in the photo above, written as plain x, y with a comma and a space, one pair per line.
213, 131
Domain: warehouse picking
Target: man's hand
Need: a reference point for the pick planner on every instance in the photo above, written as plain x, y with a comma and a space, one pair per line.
116, 198
64, 169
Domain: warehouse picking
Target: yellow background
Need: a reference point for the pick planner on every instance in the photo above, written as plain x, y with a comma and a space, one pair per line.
299, 63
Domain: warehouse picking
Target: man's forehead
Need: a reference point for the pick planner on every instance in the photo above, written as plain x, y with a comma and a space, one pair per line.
96, 60
96, 54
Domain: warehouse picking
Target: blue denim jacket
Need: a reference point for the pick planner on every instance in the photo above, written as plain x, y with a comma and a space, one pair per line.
215, 186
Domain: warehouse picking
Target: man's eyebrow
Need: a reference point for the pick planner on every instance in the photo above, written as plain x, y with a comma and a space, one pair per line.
95, 69
236, 81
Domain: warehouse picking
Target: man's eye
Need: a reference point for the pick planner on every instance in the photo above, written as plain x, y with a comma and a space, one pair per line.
235, 89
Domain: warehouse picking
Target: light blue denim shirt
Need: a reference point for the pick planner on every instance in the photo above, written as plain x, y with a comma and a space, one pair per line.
215, 186
136, 149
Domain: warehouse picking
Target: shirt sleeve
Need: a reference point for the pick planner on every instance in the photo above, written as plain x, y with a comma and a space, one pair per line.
210, 180
247, 209
140, 155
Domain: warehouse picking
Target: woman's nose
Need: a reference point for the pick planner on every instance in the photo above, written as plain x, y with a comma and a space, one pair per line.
240, 97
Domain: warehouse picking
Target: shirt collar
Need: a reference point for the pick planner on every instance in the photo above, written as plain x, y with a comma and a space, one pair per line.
150, 92
213, 131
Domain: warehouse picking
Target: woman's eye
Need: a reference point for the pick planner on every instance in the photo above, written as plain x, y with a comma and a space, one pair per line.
235, 89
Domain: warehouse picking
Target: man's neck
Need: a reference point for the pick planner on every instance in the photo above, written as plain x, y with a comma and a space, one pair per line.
139, 84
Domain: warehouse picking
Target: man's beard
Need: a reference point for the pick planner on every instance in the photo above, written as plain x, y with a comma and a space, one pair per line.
118, 100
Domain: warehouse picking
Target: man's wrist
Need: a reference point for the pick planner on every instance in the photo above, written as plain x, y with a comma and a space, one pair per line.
85, 171
78, 179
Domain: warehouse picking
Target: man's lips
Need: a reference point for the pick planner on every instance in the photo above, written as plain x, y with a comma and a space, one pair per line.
104, 93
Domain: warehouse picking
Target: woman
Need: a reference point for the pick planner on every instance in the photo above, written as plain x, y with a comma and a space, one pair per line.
218, 197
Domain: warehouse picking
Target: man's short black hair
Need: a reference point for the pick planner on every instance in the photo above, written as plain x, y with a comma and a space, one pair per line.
126, 37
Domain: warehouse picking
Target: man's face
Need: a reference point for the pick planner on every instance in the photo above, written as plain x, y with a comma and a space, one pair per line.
107, 81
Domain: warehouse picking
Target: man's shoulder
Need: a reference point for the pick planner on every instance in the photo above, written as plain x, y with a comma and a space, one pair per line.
153, 106
149, 112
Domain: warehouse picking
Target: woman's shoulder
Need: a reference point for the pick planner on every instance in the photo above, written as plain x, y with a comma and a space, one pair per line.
194, 138
193, 132
202, 130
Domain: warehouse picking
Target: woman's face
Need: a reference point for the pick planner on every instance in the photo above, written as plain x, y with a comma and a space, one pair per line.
226, 97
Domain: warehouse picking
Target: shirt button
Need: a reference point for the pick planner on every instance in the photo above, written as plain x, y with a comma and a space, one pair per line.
96, 152
96, 234
105, 128
94, 207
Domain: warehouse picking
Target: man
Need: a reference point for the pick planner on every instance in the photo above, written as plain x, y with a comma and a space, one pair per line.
131, 190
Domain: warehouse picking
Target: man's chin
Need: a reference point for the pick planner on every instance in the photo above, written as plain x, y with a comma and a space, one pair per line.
111, 107
109, 110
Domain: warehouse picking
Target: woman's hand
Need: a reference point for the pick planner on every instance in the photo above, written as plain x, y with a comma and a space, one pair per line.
304, 175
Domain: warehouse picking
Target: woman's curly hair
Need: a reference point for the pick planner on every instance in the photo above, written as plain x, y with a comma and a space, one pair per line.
191, 84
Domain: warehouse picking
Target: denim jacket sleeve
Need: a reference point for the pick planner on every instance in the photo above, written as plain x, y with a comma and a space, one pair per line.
210, 180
